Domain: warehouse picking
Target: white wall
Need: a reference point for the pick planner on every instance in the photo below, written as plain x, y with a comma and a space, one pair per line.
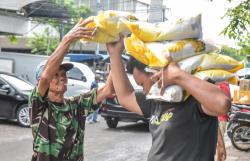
11, 24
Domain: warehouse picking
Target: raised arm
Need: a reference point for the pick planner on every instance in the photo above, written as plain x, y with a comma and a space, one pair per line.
54, 61
213, 101
105, 91
123, 88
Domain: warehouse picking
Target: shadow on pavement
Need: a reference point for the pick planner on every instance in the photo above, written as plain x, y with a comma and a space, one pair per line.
8, 122
135, 127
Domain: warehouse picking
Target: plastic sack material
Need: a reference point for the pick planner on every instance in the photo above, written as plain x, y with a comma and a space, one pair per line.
153, 54
172, 93
175, 30
175, 93
109, 24
210, 61
217, 75
205, 66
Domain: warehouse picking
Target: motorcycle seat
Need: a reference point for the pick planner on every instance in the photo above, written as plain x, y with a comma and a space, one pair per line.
241, 106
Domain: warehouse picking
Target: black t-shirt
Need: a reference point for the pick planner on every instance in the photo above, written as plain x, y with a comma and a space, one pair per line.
180, 131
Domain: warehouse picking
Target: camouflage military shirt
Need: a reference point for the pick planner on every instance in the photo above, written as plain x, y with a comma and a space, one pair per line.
58, 129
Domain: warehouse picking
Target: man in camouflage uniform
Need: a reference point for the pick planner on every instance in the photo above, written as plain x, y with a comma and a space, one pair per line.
58, 123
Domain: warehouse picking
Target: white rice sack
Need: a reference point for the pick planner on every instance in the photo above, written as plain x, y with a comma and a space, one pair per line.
172, 93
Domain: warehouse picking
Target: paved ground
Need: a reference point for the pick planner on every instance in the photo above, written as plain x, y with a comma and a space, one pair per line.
129, 142
234, 154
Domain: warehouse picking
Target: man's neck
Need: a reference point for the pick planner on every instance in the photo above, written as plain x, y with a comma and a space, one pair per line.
56, 97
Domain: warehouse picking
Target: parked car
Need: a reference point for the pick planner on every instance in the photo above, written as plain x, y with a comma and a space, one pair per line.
113, 112
243, 73
80, 78
14, 93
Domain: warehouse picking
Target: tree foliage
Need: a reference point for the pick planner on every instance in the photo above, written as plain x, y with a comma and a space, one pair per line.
44, 42
13, 39
75, 12
232, 52
239, 20
239, 25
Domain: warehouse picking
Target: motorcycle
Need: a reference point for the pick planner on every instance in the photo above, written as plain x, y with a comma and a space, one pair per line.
238, 129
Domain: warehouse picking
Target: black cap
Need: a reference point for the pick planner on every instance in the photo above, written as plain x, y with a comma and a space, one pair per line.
67, 66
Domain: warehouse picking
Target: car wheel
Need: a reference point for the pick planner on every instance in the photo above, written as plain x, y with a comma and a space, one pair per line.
22, 116
112, 122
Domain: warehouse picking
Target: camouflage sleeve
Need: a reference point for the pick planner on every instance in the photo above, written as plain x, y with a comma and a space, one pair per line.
36, 102
88, 100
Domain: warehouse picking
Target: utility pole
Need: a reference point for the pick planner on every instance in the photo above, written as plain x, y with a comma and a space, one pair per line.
97, 50
61, 26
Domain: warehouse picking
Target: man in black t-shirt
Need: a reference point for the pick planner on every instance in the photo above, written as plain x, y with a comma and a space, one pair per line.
185, 131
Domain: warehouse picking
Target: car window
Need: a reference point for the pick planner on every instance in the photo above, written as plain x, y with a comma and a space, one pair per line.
17, 82
2, 83
75, 73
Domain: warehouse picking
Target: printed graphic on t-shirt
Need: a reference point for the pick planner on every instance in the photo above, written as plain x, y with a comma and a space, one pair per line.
157, 120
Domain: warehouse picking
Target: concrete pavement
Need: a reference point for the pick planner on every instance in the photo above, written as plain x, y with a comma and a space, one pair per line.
128, 142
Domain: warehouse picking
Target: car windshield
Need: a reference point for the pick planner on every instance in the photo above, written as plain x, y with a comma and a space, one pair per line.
19, 84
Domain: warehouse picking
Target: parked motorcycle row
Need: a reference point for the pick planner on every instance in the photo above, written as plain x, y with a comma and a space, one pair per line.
238, 128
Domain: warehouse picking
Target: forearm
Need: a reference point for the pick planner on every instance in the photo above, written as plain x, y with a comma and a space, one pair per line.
221, 149
220, 141
103, 93
214, 102
122, 85
56, 58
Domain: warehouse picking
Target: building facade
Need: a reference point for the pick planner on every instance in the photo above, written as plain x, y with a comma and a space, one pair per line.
145, 10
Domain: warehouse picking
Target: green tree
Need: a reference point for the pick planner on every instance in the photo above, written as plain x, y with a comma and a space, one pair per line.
75, 12
239, 25
43, 43
13, 39
232, 52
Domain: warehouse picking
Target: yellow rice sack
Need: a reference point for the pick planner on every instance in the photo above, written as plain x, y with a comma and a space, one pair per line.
175, 30
153, 54
217, 75
109, 24
219, 61
210, 61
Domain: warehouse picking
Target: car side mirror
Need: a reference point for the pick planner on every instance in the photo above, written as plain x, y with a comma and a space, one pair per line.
5, 88
84, 78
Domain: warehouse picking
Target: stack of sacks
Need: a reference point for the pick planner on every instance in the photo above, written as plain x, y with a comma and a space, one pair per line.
207, 66
150, 43
153, 54
109, 25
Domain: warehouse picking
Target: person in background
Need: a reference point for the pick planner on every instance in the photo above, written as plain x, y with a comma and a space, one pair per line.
183, 131
221, 153
92, 118
223, 119
58, 123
